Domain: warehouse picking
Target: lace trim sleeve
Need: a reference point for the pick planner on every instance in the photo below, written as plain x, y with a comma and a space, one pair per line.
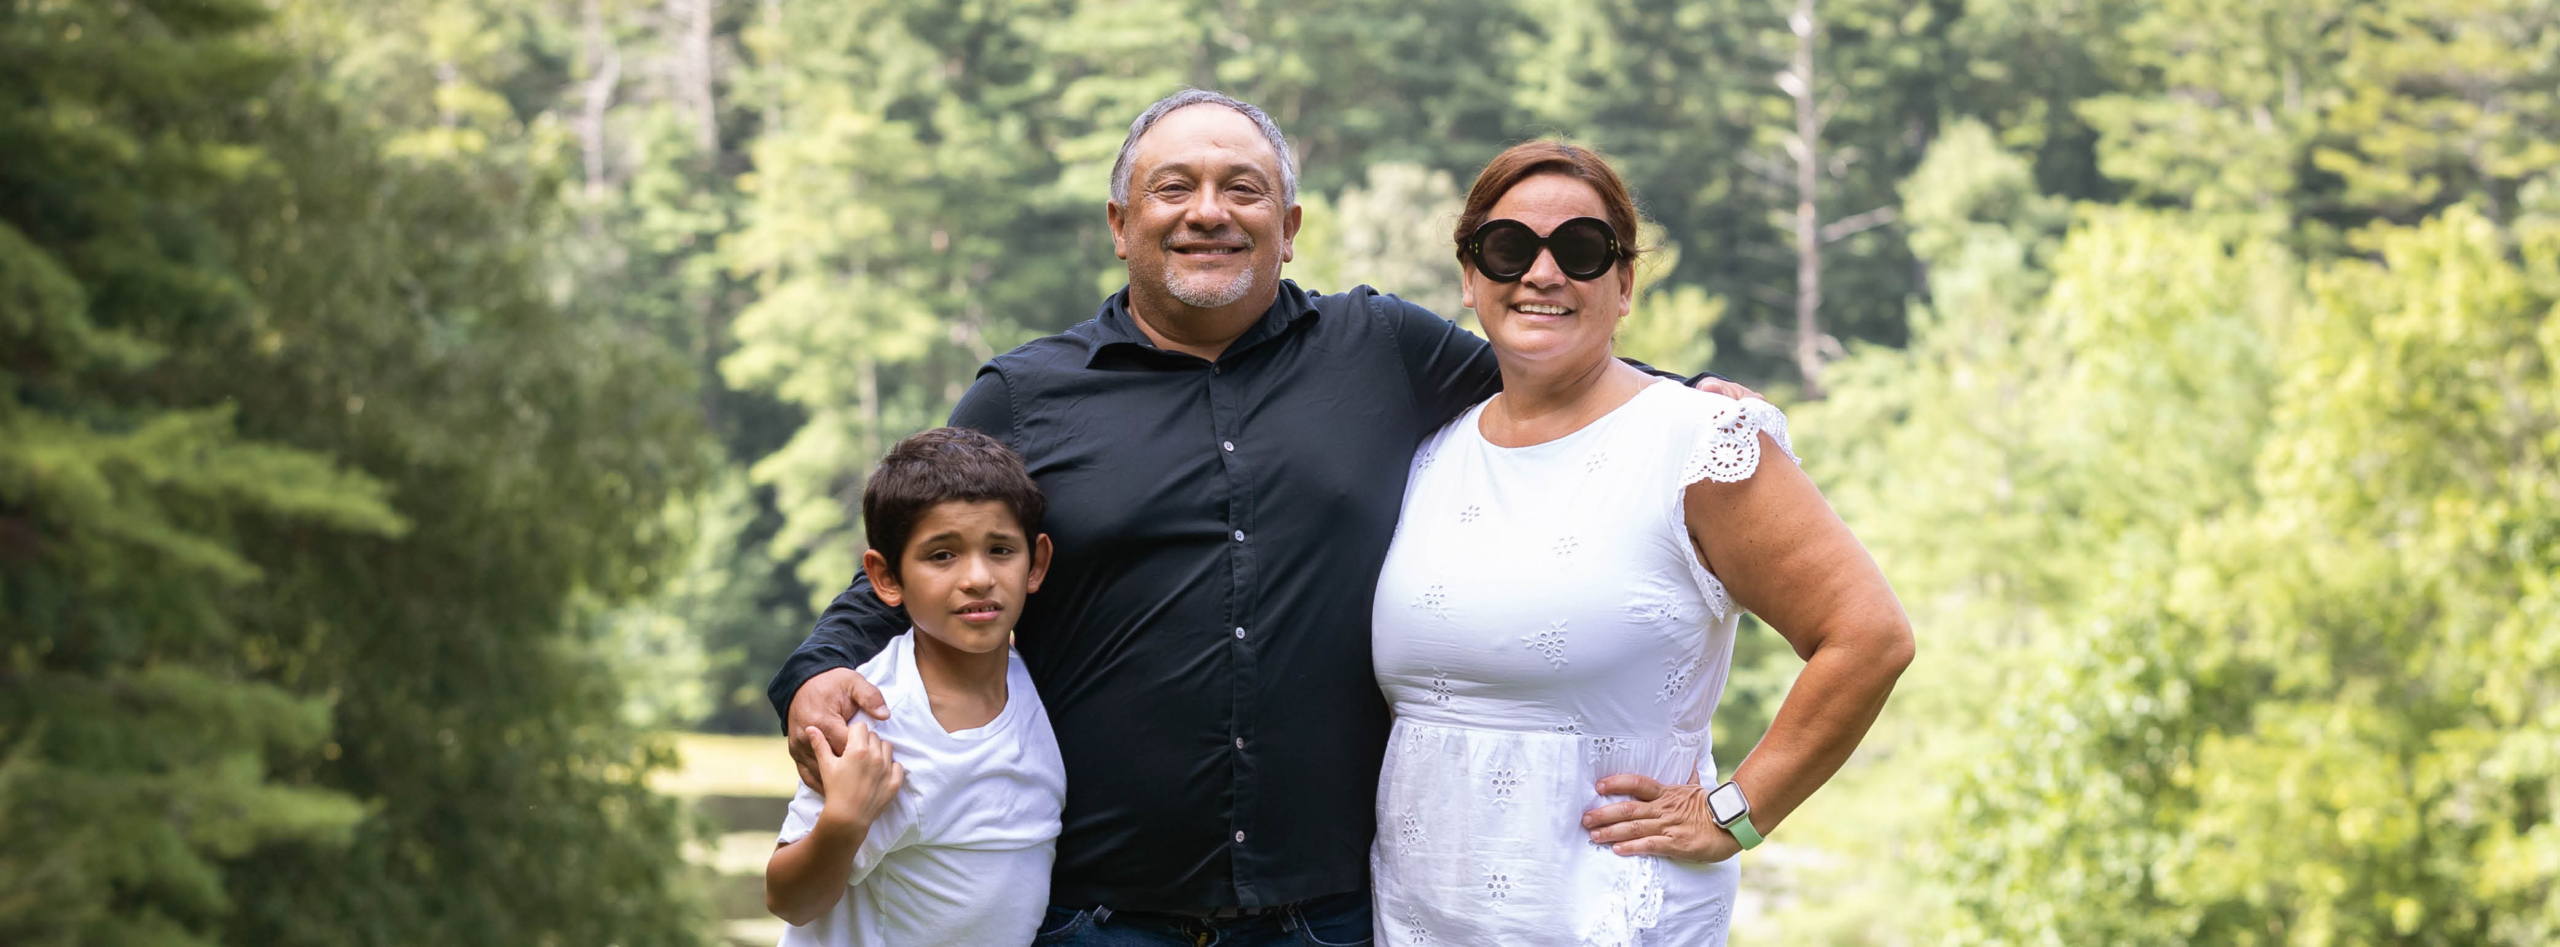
1729, 449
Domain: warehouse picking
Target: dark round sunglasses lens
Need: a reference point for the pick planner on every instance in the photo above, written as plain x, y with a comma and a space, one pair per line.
1508, 252
1582, 249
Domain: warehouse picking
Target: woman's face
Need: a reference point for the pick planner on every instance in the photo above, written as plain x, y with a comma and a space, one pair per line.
1547, 315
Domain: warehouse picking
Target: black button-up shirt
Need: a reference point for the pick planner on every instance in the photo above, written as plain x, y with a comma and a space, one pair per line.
1202, 639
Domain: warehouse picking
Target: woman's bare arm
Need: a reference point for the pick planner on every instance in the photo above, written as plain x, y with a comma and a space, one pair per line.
1787, 557
1784, 555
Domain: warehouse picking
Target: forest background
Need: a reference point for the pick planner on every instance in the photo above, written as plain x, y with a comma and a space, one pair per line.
414, 413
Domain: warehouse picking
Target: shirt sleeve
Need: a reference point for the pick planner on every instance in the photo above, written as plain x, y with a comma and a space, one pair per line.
893, 830
802, 816
896, 828
1450, 367
858, 624
1724, 443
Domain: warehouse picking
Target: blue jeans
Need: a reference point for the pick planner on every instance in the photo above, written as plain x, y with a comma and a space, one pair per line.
1337, 920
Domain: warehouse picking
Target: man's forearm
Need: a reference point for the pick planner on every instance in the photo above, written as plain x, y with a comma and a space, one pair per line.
853, 628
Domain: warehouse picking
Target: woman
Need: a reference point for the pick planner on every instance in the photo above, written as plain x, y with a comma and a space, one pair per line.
1556, 616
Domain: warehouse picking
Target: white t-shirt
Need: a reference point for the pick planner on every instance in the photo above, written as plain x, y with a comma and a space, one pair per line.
961, 855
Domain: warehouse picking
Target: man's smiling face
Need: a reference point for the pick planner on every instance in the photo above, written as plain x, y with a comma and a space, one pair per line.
1207, 225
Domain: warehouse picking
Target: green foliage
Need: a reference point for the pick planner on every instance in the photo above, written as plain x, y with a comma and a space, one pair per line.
302, 476
2314, 119
2318, 712
897, 235
1390, 231
404, 404
2244, 636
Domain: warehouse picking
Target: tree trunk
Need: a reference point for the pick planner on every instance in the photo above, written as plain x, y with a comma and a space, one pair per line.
604, 62
695, 71
1808, 155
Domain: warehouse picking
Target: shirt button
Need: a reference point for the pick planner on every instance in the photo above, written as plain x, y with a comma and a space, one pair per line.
1239, 634
1239, 837
1239, 535
1229, 445
1239, 743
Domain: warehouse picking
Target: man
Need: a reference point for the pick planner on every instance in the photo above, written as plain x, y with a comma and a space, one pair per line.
1224, 455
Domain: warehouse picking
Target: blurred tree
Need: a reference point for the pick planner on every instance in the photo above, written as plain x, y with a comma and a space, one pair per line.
2327, 718
139, 746
2032, 453
621, 112
2309, 120
901, 228
1391, 231
303, 477
1684, 99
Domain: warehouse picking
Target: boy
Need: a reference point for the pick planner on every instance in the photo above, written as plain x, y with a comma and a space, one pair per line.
950, 841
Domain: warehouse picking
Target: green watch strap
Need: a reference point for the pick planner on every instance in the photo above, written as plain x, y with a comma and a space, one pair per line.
1744, 833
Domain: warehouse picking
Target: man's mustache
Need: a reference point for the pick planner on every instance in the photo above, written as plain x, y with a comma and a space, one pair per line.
1224, 237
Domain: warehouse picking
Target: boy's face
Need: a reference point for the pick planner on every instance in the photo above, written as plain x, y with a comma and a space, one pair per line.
964, 574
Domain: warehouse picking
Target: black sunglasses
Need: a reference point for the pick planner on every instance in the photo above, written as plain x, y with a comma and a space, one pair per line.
1504, 250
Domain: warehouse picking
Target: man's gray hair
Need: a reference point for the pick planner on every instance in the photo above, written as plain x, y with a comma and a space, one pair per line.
1190, 97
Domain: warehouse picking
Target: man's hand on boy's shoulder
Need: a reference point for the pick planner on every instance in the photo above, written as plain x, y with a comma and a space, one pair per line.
825, 702
1726, 387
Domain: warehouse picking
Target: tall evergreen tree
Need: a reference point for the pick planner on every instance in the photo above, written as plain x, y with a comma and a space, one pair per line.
302, 477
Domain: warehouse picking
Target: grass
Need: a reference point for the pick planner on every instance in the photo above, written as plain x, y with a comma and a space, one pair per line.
715, 764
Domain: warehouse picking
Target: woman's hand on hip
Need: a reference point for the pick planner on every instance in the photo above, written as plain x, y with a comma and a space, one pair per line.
1671, 821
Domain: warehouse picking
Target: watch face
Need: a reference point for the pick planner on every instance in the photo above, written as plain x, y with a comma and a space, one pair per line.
1726, 802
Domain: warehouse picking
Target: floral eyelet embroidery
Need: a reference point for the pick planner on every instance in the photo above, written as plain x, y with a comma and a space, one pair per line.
1549, 644
1601, 747
1657, 600
1434, 600
1675, 683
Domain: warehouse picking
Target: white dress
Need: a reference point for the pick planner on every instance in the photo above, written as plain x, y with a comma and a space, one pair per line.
1542, 622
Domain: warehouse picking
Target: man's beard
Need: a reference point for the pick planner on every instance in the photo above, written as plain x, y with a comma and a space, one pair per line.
1200, 291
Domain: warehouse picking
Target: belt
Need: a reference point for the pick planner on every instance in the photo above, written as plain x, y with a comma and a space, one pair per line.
1223, 913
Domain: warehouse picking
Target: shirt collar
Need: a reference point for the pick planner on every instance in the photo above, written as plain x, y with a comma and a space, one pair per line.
1118, 328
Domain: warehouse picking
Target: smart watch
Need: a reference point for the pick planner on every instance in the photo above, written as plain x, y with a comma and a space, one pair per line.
1733, 813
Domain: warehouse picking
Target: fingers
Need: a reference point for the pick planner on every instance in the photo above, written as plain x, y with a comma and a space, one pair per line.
1648, 845
1629, 830
858, 739
1683, 842
869, 699
805, 756
1629, 784
1616, 812
1728, 388
877, 756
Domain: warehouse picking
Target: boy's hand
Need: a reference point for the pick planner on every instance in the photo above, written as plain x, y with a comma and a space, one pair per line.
823, 702
859, 782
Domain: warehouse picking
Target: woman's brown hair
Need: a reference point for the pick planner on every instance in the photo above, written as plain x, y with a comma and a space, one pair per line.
1529, 159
